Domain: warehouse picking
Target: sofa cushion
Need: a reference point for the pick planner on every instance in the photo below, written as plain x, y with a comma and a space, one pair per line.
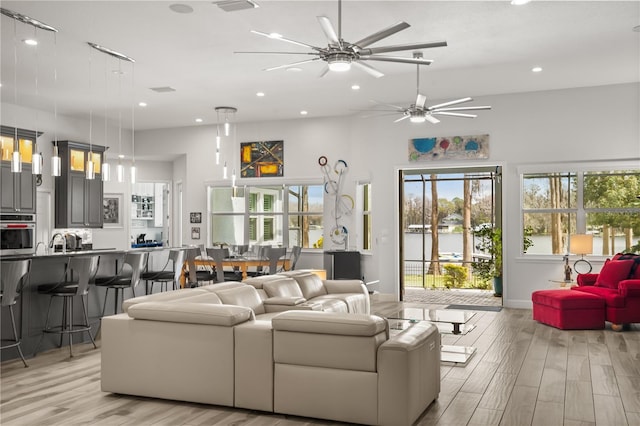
311, 285
613, 271
566, 299
244, 295
192, 313
330, 304
160, 297
325, 323
284, 287
611, 296
355, 302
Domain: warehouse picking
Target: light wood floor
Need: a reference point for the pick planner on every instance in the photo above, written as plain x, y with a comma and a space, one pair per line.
524, 373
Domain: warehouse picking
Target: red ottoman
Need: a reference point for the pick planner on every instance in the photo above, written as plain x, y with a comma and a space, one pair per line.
568, 310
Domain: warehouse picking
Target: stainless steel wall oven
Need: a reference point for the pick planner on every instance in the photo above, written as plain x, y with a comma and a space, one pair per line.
17, 234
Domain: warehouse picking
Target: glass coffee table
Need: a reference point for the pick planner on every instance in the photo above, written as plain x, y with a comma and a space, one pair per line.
450, 321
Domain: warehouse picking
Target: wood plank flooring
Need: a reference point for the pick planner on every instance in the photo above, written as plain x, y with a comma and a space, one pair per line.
524, 373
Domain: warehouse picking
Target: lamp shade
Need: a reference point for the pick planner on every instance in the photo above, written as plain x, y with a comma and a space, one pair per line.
581, 243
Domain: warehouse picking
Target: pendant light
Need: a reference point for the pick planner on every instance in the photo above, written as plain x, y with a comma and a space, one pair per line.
56, 161
133, 126
106, 167
16, 156
121, 57
90, 172
226, 110
224, 171
36, 157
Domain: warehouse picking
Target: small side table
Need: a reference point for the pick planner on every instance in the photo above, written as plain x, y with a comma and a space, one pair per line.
562, 284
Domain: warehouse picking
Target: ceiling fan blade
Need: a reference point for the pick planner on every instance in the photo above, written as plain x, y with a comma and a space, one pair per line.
384, 114
457, 101
431, 119
420, 101
469, 108
417, 61
290, 65
455, 114
400, 47
329, 31
377, 36
397, 107
281, 53
401, 118
368, 69
279, 37
324, 71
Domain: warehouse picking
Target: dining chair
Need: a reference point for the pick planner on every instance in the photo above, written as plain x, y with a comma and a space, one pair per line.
295, 255
197, 274
218, 255
14, 275
74, 282
274, 255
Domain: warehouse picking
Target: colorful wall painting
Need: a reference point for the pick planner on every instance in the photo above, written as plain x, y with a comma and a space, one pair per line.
262, 159
449, 148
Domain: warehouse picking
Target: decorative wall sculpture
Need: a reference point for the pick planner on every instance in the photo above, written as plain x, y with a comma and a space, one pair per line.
262, 159
343, 203
449, 148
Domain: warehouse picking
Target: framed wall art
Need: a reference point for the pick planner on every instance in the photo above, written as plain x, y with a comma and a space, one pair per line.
112, 210
262, 159
449, 148
195, 217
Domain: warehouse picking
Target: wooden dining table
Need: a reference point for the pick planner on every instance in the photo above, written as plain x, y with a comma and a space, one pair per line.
240, 262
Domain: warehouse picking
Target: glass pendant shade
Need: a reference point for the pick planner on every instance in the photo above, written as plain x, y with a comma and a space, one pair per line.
217, 157
56, 163
233, 178
90, 168
218, 142
120, 173
36, 162
227, 128
106, 172
16, 162
133, 174
224, 171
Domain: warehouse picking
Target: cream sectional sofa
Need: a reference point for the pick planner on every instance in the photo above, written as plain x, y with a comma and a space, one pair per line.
235, 344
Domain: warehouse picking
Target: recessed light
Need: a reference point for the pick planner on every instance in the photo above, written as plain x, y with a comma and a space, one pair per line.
198, 120
303, 112
294, 69
142, 104
120, 155
355, 87
181, 8
536, 69
260, 94
519, 2
30, 42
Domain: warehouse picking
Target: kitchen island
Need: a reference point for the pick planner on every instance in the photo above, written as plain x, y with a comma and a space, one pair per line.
31, 308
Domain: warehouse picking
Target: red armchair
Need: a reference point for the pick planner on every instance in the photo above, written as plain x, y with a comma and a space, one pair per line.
618, 283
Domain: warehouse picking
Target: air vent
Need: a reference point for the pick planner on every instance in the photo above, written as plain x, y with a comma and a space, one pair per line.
164, 89
233, 5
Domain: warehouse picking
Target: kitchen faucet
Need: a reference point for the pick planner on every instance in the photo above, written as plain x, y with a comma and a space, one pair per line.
64, 241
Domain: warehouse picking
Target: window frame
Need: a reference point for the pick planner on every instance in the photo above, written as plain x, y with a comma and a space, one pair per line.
579, 209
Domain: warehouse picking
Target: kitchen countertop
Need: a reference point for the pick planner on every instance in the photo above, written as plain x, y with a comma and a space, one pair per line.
48, 255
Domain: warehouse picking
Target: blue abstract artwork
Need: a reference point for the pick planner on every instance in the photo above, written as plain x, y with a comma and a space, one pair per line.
449, 148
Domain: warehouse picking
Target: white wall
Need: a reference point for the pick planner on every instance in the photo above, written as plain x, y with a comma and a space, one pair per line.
535, 129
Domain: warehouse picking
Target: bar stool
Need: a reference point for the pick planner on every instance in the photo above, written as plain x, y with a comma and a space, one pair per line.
128, 276
170, 272
73, 283
14, 276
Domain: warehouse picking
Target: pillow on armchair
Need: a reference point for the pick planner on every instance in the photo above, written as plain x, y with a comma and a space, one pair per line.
614, 271
635, 269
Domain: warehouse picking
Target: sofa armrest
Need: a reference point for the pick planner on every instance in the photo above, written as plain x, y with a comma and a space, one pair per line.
287, 301
586, 279
629, 288
345, 286
192, 313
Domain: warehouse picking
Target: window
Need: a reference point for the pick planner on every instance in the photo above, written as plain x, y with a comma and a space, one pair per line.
602, 203
261, 212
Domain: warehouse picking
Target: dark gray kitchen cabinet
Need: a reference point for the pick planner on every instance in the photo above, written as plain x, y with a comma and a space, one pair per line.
18, 189
78, 199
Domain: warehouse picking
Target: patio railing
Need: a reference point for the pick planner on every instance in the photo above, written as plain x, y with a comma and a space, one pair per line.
459, 276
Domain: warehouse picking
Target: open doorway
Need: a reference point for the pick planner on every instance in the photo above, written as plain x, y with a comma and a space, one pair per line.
150, 215
450, 245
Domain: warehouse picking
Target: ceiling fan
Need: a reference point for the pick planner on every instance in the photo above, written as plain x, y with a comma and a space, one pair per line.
418, 113
339, 54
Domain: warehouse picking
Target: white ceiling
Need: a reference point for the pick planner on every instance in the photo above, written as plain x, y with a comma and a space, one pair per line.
492, 47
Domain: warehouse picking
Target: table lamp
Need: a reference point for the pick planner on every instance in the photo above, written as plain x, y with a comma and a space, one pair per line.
581, 244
